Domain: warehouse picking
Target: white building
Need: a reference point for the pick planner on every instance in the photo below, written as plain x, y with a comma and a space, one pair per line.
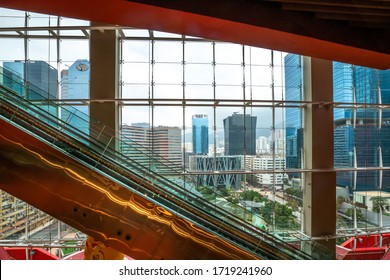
366, 198
279, 139
270, 163
262, 145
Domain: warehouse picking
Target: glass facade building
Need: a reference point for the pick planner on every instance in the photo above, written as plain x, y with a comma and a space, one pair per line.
361, 133
293, 122
75, 86
200, 134
39, 74
240, 134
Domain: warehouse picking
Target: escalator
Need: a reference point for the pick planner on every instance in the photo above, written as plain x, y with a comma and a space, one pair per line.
82, 180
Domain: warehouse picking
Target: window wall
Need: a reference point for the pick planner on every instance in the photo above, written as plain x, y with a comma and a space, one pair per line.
39, 54
251, 103
169, 81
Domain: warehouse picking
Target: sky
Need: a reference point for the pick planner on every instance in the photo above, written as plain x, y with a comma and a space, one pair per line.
168, 74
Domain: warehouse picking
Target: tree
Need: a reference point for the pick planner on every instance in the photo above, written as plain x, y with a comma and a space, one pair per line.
359, 214
252, 196
339, 202
252, 180
284, 217
379, 202
224, 192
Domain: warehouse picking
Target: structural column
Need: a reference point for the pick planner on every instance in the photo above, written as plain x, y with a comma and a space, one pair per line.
319, 194
104, 91
104, 83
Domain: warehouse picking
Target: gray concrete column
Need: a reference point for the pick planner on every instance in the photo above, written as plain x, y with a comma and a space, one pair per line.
319, 192
104, 83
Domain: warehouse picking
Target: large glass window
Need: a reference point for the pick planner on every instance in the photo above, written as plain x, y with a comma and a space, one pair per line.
227, 118
41, 61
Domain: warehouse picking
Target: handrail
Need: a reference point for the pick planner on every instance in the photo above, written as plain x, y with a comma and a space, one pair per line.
115, 157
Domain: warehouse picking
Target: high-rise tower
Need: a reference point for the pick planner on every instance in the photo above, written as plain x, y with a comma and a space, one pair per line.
361, 135
200, 134
240, 134
75, 86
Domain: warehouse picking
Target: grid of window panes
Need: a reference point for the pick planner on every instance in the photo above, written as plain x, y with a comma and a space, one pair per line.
39, 50
251, 98
167, 81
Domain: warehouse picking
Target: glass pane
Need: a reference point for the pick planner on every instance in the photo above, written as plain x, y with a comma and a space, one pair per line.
136, 51
168, 116
278, 59
199, 92
168, 91
11, 49
12, 18
135, 91
165, 73
259, 92
199, 74
40, 20
229, 92
229, 75
168, 51
43, 50
136, 114
71, 50
228, 53
198, 52
137, 73
257, 56
258, 75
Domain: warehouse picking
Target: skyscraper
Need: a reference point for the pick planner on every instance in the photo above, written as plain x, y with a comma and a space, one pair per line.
75, 85
140, 141
76, 78
200, 134
361, 135
167, 143
294, 132
240, 134
39, 76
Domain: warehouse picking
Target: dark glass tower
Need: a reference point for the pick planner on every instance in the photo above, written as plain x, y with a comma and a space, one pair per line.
240, 134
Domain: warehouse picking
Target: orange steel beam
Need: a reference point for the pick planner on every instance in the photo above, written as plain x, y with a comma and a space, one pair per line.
245, 22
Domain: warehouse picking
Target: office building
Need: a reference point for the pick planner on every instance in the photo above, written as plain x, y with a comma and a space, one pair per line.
39, 76
75, 88
142, 141
166, 142
360, 135
262, 145
293, 122
269, 163
200, 134
240, 134
219, 164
